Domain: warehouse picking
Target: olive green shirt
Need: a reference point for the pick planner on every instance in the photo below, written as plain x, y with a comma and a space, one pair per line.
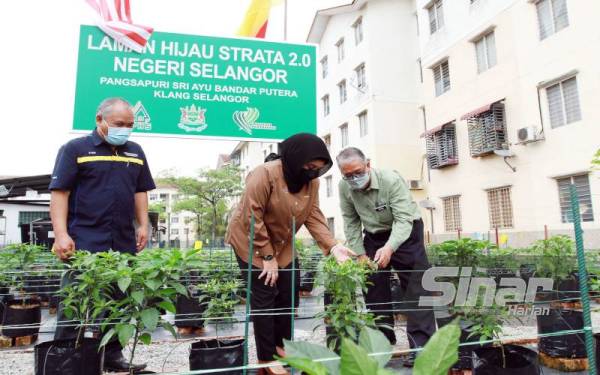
385, 205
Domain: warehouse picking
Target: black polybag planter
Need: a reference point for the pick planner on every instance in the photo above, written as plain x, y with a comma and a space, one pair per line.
217, 354
467, 344
307, 281
4, 297
526, 271
189, 312
16, 317
568, 289
563, 346
397, 296
60, 357
519, 361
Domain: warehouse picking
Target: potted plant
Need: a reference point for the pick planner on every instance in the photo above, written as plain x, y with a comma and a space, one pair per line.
189, 311
22, 313
309, 258
218, 294
345, 313
557, 260
149, 282
84, 302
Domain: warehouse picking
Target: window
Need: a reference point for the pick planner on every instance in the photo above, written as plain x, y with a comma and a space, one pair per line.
358, 31
442, 150
26, 217
342, 91
163, 197
361, 78
436, 16
364, 124
153, 197
563, 103
331, 225
329, 185
327, 140
340, 50
485, 49
452, 219
500, 207
175, 232
344, 134
174, 219
324, 66
582, 186
487, 131
441, 76
325, 101
552, 16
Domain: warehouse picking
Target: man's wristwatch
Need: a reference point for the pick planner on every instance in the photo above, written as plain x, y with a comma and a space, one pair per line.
267, 257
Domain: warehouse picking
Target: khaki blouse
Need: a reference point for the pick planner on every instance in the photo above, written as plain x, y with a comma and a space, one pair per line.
266, 195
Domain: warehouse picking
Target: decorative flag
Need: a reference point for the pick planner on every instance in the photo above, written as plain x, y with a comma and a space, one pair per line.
257, 17
114, 18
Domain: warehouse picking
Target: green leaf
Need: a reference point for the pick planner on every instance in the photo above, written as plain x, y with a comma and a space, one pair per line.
124, 283
181, 289
107, 336
440, 353
145, 338
138, 296
150, 318
169, 327
383, 371
152, 284
303, 349
373, 341
355, 360
306, 365
167, 306
125, 332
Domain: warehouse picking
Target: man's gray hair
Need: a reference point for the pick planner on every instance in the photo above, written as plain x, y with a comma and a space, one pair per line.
350, 153
106, 106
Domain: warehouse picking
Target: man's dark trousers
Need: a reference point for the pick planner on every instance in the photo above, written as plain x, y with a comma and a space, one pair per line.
409, 261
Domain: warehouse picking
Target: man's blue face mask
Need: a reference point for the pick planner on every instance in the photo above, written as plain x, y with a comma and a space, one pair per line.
117, 136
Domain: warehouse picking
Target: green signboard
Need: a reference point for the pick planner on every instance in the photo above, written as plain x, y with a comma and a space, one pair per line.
200, 86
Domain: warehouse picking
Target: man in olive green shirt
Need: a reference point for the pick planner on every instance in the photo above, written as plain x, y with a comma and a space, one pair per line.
380, 202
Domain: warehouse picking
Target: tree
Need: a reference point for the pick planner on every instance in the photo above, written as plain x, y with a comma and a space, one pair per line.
207, 196
159, 207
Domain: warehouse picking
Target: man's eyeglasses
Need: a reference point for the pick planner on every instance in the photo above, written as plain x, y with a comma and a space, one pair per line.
354, 176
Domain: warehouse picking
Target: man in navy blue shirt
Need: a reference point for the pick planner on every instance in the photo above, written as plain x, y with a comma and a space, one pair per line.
98, 190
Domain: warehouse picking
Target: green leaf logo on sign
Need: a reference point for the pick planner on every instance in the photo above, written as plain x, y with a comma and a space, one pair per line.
246, 120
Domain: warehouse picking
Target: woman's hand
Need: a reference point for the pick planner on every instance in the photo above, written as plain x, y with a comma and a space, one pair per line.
271, 271
341, 253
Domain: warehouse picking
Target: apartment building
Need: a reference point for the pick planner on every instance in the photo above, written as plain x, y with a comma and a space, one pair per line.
368, 85
508, 98
178, 229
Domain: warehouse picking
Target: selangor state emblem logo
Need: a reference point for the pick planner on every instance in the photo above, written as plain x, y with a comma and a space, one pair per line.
246, 121
192, 118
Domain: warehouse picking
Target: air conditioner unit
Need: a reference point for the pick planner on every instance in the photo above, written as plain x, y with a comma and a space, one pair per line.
528, 134
415, 184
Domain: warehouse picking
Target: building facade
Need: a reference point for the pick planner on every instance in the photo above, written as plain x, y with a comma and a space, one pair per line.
507, 98
177, 229
368, 90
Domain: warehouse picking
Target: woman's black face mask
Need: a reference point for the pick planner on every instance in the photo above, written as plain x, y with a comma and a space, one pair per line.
311, 174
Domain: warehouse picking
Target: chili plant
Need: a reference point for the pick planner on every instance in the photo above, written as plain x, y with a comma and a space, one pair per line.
220, 306
89, 295
21, 258
345, 314
148, 281
557, 257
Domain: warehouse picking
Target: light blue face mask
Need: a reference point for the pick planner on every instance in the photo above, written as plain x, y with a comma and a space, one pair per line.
117, 136
359, 182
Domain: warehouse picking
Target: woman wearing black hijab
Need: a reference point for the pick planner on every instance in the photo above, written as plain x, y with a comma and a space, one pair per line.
279, 193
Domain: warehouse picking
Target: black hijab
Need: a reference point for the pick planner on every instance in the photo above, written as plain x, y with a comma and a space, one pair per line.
298, 150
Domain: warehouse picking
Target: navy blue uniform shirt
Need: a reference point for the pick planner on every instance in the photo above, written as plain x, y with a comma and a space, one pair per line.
103, 184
